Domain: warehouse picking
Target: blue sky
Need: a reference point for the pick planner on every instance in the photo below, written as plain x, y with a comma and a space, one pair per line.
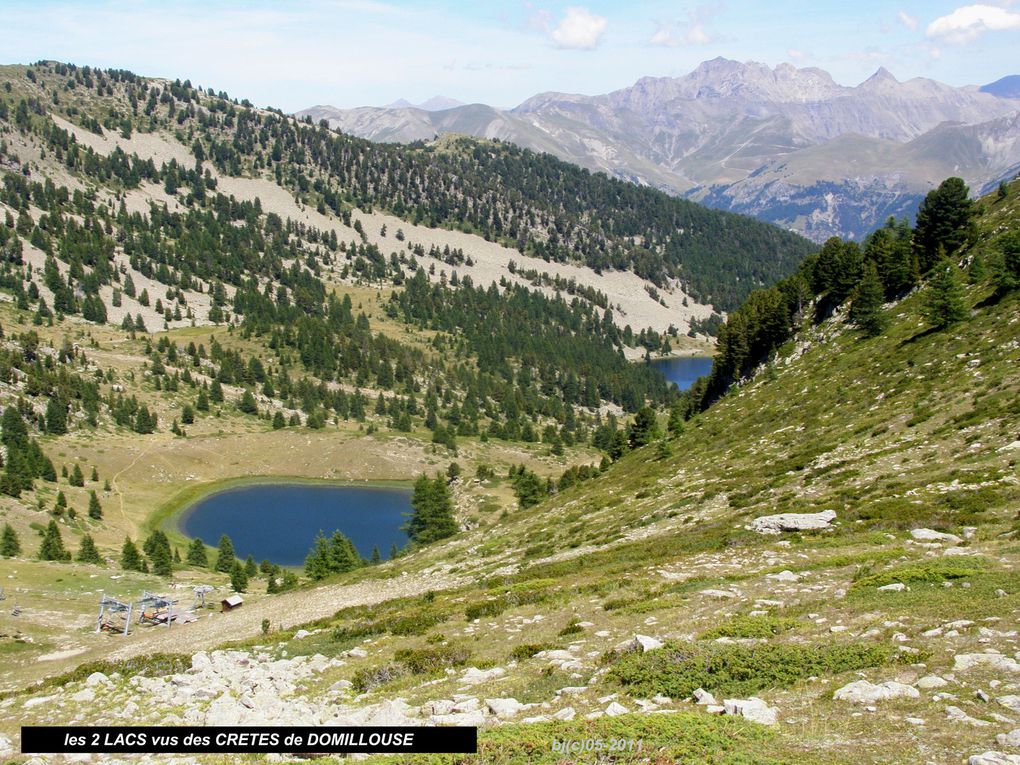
357, 52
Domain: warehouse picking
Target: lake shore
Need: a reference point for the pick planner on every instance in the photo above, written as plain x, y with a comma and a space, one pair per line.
170, 515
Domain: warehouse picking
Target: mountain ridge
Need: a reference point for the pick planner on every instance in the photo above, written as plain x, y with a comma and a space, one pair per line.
704, 135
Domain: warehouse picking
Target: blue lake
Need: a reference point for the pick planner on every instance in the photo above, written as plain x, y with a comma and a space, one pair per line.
279, 522
684, 371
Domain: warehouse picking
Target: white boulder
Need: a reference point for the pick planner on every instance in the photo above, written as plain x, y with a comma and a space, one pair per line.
863, 692
753, 709
930, 535
775, 524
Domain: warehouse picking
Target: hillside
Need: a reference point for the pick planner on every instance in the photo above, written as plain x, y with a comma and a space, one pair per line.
599, 611
744, 137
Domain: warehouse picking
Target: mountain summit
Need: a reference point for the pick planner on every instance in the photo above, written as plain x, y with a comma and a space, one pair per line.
746, 137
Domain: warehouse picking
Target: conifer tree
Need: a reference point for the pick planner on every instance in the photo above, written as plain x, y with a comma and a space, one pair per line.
95, 509
52, 547
130, 558
162, 561
432, 518
225, 557
251, 568
944, 223
197, 555
238, 577
10, 546
77, 478
944, 302
56, 416
376, 557
87, 552
644, 429
866, 304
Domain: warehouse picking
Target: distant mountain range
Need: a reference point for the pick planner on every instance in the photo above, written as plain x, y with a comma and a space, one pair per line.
786, 145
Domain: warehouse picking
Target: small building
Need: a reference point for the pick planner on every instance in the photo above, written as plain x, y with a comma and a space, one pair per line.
229, 604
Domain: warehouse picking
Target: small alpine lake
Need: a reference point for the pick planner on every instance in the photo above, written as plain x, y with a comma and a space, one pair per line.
279, 521
683, 370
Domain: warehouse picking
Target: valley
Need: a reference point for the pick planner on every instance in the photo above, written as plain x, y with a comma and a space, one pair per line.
806, 555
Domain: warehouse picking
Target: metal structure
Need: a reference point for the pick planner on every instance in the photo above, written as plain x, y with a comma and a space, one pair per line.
162, 609
200, 593
112, 606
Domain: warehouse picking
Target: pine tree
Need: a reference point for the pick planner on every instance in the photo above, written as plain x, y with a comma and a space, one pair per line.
866, 303
187, 415
162, 561
95, 509
251, 568
317, 563
10, 546
1007, 276
216, 392
247, 404
88, 553
644, 429
376, 557
77, 478
432, 518
197, 555
278, 421
52, 547
225, 558
130, 558
945, 300
238, 577
945, 222
95, 474
394, 552
56, 416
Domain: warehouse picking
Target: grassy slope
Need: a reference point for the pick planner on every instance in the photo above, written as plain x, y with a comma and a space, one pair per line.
906, 430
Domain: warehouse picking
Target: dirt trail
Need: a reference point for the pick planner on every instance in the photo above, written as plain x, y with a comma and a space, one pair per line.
283, 611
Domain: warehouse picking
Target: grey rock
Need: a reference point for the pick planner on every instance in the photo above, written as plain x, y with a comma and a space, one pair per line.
863, 692
97, 679
616, 709
775, 524
996, 661
929, 682
1009, 740
505, 709
958, 715
1011, 702
753, 709
994, 758
701, 696
930, 535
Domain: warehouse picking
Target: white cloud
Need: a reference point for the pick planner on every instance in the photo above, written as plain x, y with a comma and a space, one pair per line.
795, 54
579, 29
967, 23
910, 22
691, 32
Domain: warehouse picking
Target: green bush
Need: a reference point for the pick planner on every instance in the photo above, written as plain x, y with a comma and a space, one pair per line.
750, 627
527, 650
424, 661
677, 669
932, 572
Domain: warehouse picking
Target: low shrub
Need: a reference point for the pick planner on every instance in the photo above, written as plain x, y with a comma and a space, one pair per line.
677, 669
750, 627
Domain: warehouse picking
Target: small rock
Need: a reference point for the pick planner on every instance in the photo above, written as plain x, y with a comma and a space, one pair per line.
616, 709
97, 678
981, 696
914, 720
701, 696
894, 587
646, 643
301, 634
994, 758
566, 714
965, 661
958, 715
1011, 702
931, 681
774, 524
930, 535
753, 709
504, 709
1011, 739
863, 692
